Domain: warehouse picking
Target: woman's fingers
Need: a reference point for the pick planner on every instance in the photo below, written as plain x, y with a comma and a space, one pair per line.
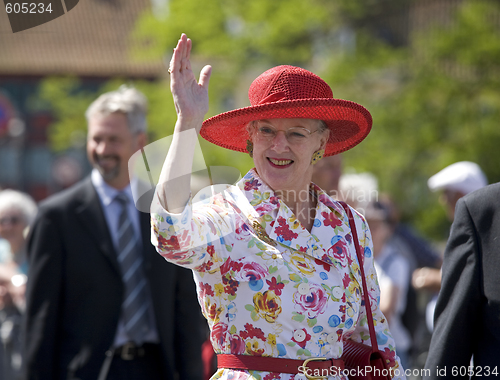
205, 76
179, 55
189, 44
171, 64
190, 95
185, 52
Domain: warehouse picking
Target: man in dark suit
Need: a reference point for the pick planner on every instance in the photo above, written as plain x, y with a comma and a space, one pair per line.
101, 302
467, 319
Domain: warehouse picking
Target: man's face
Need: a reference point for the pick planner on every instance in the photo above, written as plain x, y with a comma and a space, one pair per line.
110, 144
450, 198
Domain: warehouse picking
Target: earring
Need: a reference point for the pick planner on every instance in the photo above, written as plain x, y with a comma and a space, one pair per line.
318, 155
250, 148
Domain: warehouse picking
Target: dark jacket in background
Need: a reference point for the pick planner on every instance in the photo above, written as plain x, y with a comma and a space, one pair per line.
75, 290
467, 317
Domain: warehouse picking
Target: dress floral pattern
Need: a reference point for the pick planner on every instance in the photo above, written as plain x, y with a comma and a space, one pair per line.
266, 285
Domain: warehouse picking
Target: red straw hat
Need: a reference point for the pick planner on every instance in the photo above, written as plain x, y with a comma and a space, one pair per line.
285, 92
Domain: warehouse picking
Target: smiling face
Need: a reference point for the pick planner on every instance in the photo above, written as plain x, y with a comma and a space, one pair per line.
283, 149
110, 144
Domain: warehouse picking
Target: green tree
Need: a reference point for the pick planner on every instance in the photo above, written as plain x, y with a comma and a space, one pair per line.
433, 104
433, 96
68, 104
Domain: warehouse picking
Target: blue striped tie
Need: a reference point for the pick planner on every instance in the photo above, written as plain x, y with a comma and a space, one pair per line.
135, 302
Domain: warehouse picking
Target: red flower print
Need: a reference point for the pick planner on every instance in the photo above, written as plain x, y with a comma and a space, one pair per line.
171, 244
175, 242
264, 208
339, 334
301, 337
230, 285
205, 267
213, 312
326, 266
284, 230
237, 345
390, 357
313, 303
331, 219
217, 333
252, 184
275, 286
272, 375
252, 332
349, 260
250, 272
231, 265
346, 280
206, 289
211, 250
338, 250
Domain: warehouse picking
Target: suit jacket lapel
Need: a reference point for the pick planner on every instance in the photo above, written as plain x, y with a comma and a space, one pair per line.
91, 216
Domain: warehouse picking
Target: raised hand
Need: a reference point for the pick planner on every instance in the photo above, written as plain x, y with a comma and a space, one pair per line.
190, 96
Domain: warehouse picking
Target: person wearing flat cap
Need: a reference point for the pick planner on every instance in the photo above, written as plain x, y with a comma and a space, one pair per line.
273, 257
454, 182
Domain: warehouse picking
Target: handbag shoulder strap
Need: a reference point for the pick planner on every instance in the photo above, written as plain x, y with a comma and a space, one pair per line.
369, 316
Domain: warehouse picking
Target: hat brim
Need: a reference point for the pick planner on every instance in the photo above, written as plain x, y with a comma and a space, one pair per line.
349, 122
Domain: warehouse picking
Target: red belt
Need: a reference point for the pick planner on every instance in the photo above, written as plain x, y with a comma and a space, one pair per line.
312, 368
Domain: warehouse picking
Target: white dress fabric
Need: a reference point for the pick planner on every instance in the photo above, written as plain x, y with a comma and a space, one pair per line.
266, 285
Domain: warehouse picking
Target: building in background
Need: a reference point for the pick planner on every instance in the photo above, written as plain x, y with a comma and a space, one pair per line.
91, 43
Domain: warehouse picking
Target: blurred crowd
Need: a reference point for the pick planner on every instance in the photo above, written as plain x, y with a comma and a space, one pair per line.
408, 265
17, 212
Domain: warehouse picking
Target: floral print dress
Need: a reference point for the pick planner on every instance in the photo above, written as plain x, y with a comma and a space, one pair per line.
266, 285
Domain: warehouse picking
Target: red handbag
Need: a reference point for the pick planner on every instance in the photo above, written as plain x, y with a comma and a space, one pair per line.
362, 361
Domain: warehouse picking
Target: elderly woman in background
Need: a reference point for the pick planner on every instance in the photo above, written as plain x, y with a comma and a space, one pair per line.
273, 256
17, 212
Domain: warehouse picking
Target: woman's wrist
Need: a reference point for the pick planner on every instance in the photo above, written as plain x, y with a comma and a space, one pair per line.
187, 123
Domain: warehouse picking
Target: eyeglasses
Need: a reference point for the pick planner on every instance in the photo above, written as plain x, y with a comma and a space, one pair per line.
10, 220
294, 135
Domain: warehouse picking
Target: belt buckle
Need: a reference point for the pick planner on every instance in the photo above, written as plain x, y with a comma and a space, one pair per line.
127, 351
304, 365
